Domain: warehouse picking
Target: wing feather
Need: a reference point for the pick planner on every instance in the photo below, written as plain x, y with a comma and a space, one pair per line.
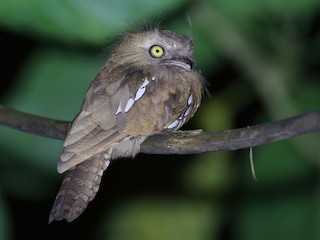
73, 159
95, 129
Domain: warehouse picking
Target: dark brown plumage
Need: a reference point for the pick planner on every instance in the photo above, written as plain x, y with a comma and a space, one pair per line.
147, 86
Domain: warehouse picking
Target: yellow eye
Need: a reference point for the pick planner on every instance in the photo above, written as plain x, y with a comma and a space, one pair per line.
156, 51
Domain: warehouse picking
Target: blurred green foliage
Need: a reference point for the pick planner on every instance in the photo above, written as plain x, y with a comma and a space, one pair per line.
164, 219
262, 61
78, 21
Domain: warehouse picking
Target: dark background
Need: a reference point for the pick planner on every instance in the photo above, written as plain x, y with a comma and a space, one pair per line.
262, 61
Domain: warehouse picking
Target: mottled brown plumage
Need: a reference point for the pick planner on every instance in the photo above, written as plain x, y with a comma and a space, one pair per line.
147, 86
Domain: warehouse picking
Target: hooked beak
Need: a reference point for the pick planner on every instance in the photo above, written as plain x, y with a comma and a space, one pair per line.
184, 62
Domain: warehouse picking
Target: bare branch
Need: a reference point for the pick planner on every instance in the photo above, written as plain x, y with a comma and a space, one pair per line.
25, 122
181, 142
190, 142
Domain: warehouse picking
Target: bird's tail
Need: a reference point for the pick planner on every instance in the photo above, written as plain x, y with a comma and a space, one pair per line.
78, 188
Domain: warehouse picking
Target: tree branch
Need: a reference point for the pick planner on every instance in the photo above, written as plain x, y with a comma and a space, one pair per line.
25, 122
181, 142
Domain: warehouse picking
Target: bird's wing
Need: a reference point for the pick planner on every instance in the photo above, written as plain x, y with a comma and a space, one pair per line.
98, 126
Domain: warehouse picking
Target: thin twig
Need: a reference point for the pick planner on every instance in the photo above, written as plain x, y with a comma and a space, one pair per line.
181, 142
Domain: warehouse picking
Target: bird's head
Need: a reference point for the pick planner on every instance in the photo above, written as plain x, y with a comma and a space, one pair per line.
155, 48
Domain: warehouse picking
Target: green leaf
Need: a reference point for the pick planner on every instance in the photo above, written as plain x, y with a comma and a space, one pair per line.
78, 21
246, 8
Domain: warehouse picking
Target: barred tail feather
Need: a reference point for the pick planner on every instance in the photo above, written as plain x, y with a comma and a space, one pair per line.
78, 188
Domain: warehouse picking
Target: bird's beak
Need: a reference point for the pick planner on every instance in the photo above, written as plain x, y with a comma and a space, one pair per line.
181, 61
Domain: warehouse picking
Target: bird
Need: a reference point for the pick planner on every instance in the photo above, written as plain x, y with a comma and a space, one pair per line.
148, 85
